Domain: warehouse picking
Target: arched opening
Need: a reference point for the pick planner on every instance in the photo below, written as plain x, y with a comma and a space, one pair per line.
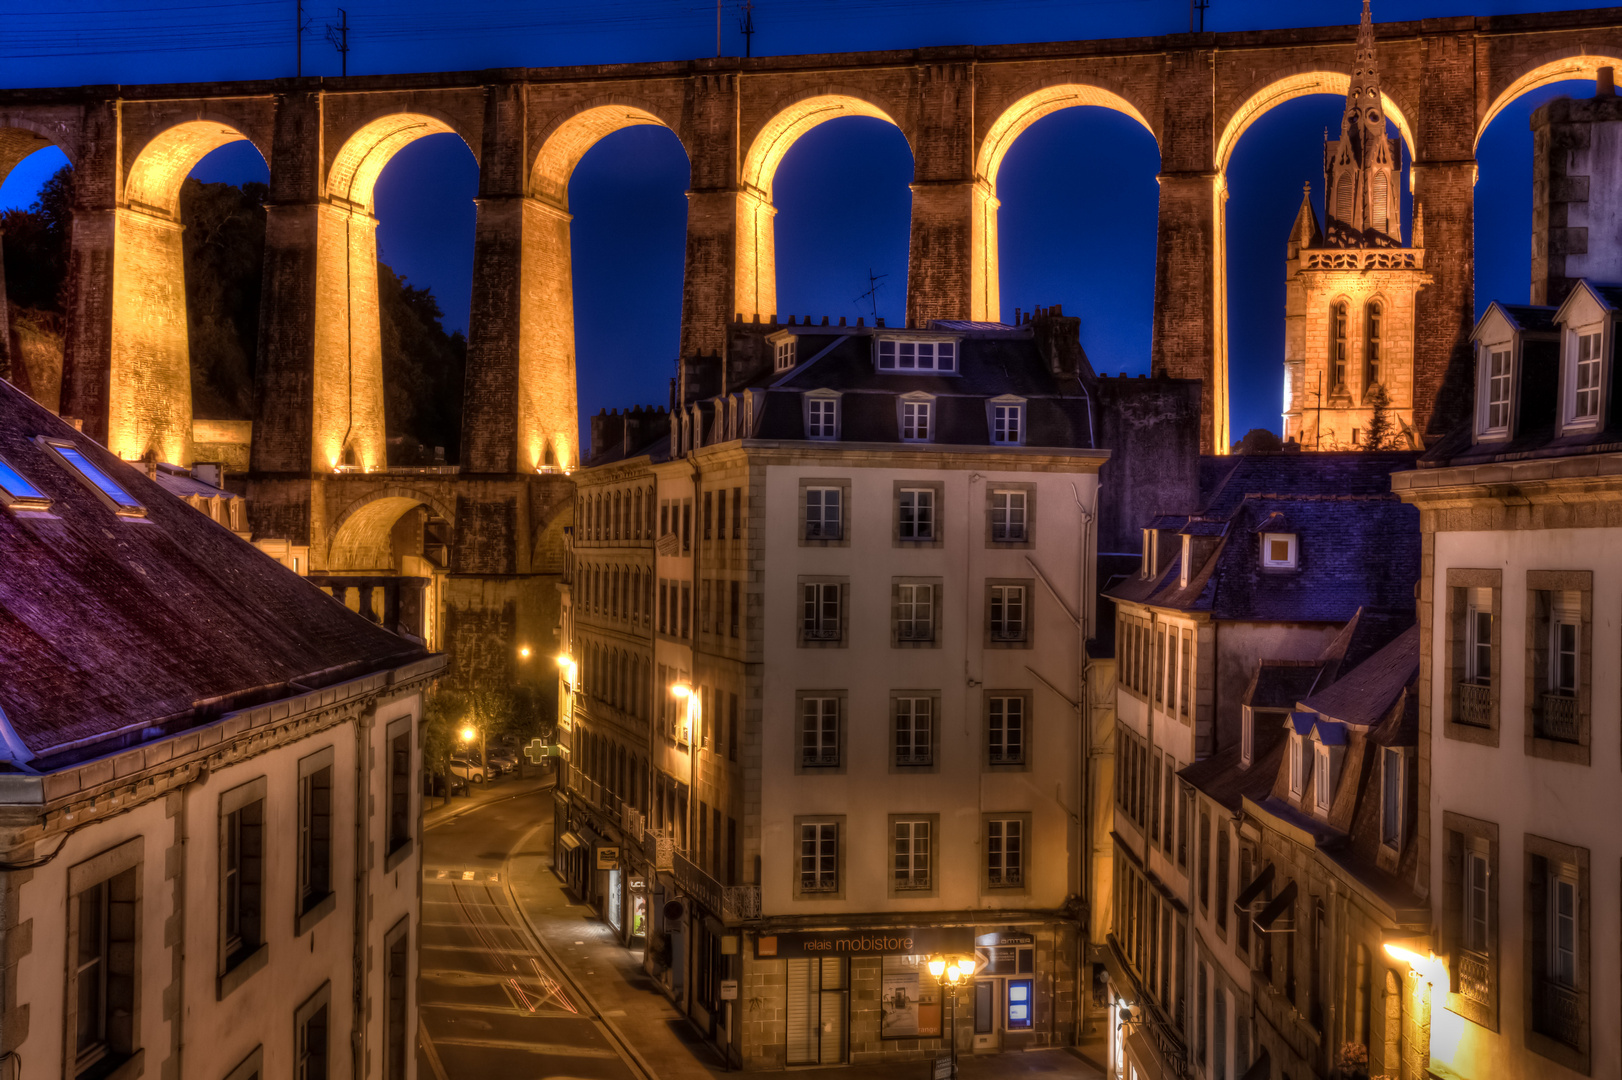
1270, 148
846, 196
36, 215
1504, 173
149, 400
549, 434
388, 560
1051, 175
349, 385
1074, 219
627, 195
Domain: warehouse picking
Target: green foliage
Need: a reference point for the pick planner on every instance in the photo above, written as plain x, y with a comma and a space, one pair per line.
423, 367
443, 713
225, 256
36, 246
1381, 433
1258, 441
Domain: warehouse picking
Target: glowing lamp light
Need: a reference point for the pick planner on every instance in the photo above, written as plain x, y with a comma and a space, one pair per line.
937, 967
682, 690
564, 660
467, 734
1407, 956
966, 965
523, 652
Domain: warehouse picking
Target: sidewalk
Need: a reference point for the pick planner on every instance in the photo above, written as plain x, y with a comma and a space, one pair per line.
627, 998
483, 794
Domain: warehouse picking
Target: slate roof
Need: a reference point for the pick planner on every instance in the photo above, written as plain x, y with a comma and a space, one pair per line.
116, 629
1280, 684
182, 484
1367, 692
1220, 776
1349, 472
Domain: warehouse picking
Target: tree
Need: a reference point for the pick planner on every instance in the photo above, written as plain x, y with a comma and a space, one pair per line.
1258, 441
37, 244
1380, 434
443, 713
423, 368
224, 245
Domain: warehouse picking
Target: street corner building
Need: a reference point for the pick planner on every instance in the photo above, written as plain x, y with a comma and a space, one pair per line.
208, 807
825, 696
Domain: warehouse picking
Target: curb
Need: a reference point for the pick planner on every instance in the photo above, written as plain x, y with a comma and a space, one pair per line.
481, 804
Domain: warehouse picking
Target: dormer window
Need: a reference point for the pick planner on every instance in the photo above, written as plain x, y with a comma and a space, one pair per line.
1247, 737
1499, 365
785, 354
1188, 556
1007, 421
116, 498
18, 493
1278, 551
1148, 569
932, 357
1324, 784
1300, 764
1585, 378
917, 419
822, 416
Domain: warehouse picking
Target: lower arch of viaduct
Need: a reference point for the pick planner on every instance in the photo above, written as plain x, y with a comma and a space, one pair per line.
320, 391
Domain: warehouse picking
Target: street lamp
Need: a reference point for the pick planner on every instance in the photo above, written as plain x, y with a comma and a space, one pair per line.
468, 733
952, 971
523, 652
684, 692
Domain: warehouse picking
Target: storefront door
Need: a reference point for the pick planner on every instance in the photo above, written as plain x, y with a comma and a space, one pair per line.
1004, 996
615, 918
817, 1007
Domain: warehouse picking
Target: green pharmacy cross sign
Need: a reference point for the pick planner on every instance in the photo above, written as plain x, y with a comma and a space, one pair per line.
537, 751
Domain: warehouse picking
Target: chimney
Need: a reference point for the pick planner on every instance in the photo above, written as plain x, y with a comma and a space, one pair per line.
1058, 339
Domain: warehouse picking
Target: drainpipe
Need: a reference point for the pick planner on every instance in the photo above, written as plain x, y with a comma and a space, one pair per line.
1084, 757
363, 787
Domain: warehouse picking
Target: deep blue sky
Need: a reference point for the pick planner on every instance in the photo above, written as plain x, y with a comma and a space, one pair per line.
1078, 189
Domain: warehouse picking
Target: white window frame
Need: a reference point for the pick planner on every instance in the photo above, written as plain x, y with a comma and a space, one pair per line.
915, 612
1578, 338
1476, 649
19, 492
1323, 786
1003, 504
115, 496
917, 415
1300, 768
1007, 421
1290, 561
1476, 904
784, 355
1003, 627
1247, 735
1393, 786
818, 527
1005, 713
1565, 617
1183, 568
1005, 852
916, 510
1492, 382
914, 716
1562, 963
910, 864
819, 732
826, 427
817, 863
821, 614
907, 356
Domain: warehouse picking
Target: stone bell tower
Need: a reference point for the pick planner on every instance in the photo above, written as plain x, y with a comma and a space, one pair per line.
1351, 285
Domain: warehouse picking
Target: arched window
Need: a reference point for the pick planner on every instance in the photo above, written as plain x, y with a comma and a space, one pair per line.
1379, 211
636, 531
1337, 347
1345, 196
1372, 345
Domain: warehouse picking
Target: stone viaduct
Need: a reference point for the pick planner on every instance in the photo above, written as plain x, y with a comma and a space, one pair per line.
318, 435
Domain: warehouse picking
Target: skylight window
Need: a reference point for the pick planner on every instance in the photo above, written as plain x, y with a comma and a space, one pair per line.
18, 493
115, 496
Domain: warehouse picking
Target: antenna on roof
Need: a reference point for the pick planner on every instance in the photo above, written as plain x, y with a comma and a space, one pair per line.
746, 27
872, 293
1199, 6
338, 36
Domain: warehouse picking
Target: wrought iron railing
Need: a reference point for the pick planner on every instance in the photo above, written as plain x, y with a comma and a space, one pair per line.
1473, 704
660, 850
918, 757
741, 903
632, 821
1555, 1013
1475, 977
1557, 717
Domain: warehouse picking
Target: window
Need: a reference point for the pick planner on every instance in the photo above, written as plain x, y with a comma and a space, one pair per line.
822, 513
1005, 853
92, 477
1498, 390
1278, 550
242, 875
820, 617
1562, 962
822, 415
686, 609
709, 514
1372, 344
1586, 381
734, 589
737, 513
687, 524
103, 943
1247, 736
1470, 915
917, 355
1475, 910
819, 857
1300, 765
819, 733
1188, 672
400, 774
398, 1044
1392, 791
1223, 845
1007, 424
785, 354
18, 493
1478, 638
915, 420
1557, 933
1008, 517
1338, 348
310, 1036
917, 514
1005, 730
1007, 613
1160, 665
314, 838
915, 612
912, 854
1324, 787
914, 731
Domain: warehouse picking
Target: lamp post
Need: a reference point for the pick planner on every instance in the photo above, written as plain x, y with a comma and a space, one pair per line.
951, 972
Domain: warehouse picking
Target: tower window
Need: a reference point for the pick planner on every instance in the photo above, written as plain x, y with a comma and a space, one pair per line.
1337, 347
1376, 316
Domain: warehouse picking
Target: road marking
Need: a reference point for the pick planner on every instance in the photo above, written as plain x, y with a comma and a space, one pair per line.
556, 1049
502, 1010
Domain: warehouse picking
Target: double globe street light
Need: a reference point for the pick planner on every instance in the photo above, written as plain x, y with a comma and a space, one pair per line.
952, 972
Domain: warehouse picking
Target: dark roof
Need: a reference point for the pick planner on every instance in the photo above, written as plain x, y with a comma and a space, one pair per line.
1352, 552
1533, 318
1220, 776
1365, 694
182, 484
1279, 684
114, 628
1349, 472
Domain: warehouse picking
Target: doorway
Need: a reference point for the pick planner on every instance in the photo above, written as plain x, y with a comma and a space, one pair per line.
818, 1003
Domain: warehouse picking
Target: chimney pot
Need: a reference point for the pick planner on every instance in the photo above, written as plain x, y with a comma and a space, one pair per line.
858, 320
841, 320
824, 320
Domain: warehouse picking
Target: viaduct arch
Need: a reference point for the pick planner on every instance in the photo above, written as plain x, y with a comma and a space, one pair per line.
960, 108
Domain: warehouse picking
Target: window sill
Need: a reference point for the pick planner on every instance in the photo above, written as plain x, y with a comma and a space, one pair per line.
240, 972
399, 855
323, 907
1021, 643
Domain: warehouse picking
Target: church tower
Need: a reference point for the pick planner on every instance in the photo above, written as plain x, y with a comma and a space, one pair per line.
1351, 285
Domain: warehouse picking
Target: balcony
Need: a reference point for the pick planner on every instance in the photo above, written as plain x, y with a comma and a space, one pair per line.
825, 759
921, 757
633, 824
1556, 1013
1472, 704
740, 903
1557, 717
1475, 977
659, 850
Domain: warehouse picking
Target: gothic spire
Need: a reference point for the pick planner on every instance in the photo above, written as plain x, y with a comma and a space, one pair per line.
1362, 201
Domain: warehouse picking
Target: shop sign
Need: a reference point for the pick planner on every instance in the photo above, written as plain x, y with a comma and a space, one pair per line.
908, 941
608, 858
729, 989
943, 1068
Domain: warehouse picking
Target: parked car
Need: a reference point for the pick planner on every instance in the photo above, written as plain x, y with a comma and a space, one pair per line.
467, 769
504, 759
437, 783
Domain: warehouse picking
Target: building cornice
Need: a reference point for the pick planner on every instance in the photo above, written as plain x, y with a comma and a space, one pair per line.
1579, 491
937, 456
